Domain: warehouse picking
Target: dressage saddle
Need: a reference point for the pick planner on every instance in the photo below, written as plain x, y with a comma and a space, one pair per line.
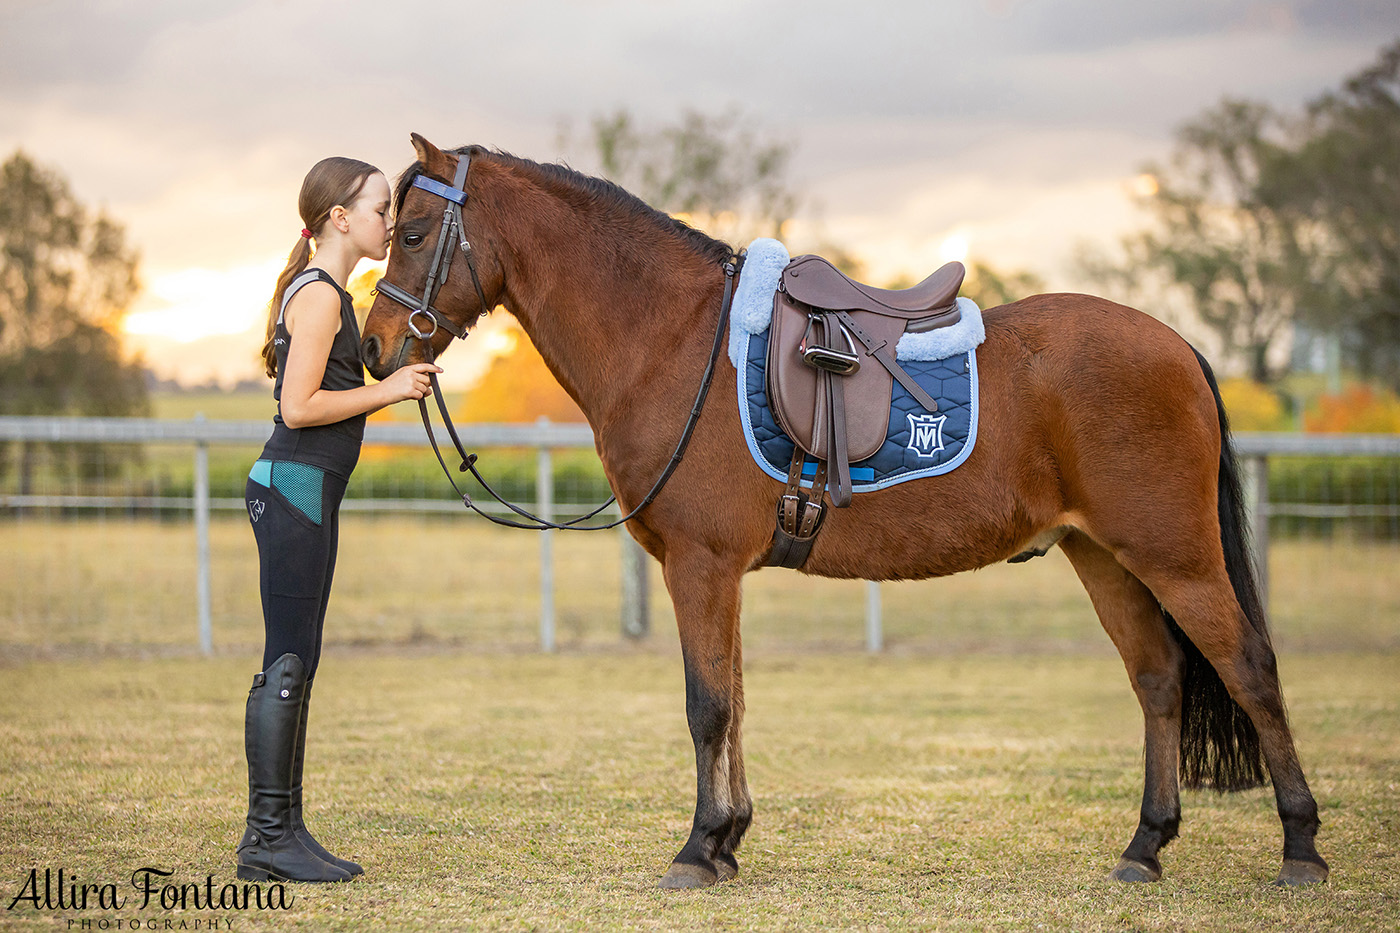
831, 363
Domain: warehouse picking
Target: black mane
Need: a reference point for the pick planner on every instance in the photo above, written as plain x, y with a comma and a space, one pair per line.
587, 187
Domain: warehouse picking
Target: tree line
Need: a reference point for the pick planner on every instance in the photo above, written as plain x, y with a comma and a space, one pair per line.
1270, 224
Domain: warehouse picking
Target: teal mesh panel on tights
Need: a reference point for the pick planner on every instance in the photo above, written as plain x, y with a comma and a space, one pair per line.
301, 484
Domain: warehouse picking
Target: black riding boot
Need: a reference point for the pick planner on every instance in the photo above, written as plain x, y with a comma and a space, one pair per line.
298, 827
270, 850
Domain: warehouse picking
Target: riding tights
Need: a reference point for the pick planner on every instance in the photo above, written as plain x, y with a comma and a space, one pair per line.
295, 512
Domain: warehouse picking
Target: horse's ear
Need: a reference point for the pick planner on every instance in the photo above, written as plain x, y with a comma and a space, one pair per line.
429, 155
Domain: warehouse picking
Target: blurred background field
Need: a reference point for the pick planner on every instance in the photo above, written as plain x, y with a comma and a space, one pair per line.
120, 584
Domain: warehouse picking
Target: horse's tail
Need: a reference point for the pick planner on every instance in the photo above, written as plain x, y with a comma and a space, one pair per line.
1219, 744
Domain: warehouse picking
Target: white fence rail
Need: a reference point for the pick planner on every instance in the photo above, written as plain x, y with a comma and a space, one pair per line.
1254, 450
543, 435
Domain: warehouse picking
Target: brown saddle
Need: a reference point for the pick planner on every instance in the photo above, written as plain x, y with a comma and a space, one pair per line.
830, 369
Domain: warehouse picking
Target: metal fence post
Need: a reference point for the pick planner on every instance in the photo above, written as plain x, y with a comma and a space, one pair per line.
544, 498
201, 534
874, 628
1256, 499
636, 601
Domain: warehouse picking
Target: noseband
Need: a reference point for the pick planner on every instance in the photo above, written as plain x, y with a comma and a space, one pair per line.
452, 226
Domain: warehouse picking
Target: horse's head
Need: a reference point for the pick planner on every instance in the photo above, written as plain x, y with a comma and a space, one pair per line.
440, 268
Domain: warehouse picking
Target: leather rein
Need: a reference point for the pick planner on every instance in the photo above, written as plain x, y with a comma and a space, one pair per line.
453, 227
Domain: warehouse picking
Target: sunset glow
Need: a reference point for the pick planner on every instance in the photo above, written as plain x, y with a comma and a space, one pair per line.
191, 304
953, 248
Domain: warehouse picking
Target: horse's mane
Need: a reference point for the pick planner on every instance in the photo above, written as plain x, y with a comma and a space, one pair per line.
589, 189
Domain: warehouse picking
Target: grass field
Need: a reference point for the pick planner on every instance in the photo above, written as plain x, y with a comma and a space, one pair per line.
983, 774
514, 791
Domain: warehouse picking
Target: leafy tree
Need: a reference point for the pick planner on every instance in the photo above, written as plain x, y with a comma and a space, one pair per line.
1266, 222
708, 168
66, 279
991, 287
1223, 237
1345, 177
987, 286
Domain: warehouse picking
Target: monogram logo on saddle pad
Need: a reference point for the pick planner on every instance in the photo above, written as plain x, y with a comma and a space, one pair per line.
255, 509
926, 434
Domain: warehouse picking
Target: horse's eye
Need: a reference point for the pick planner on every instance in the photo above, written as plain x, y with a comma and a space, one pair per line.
412, 240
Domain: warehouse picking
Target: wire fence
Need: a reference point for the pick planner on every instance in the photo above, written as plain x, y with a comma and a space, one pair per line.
130, 535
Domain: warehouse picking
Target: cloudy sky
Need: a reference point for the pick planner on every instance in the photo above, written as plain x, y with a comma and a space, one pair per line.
1014, 127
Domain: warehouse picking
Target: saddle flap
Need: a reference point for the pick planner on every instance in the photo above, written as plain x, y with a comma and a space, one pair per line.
813, 280
794, 390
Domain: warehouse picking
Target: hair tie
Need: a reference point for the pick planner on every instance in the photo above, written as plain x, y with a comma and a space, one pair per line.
306, 233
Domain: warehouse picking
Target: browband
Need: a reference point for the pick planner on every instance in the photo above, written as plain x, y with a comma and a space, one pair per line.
455, 195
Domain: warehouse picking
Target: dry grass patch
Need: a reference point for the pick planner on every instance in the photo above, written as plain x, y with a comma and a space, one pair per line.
510, 791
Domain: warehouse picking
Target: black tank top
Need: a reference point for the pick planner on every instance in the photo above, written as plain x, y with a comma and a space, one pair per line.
332, 447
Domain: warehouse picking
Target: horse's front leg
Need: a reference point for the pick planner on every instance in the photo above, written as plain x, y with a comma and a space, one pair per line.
704, 588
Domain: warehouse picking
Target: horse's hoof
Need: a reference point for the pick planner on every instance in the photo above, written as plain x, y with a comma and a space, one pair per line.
1298, 872
726, 867
1131, 871
681, 876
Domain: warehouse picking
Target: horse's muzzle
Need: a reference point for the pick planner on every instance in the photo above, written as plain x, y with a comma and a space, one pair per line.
371, 353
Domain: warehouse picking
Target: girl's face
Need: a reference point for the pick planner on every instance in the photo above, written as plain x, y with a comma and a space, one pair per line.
368, 219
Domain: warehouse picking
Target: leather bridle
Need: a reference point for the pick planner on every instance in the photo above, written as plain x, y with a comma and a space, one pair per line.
453, 227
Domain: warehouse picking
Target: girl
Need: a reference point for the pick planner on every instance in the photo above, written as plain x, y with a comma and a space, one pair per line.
294, 493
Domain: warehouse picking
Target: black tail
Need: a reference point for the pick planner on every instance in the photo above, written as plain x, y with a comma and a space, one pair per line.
1219, 745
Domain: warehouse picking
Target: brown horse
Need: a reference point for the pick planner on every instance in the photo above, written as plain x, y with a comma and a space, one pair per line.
1102, 431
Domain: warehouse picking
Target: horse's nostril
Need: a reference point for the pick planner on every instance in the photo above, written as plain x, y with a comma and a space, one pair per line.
369, 350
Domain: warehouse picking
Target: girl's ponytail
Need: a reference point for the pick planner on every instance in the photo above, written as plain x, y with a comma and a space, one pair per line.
296, 262
331, 182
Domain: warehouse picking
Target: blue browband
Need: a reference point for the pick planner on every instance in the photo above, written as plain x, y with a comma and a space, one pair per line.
455, 195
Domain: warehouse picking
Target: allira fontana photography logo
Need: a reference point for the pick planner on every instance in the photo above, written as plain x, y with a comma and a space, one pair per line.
149, 889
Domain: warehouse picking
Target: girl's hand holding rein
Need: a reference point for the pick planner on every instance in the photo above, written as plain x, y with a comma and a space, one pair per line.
409, 383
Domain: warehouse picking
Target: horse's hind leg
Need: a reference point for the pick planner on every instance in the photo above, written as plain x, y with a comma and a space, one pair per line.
1133, 619
1204, 604
705, 591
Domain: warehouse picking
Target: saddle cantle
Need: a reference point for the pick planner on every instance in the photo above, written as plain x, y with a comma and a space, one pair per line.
830, 367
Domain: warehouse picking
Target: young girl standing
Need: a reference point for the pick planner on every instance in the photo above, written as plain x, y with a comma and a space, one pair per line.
294, 492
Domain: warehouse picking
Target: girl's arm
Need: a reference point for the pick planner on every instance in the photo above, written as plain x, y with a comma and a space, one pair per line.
304, 403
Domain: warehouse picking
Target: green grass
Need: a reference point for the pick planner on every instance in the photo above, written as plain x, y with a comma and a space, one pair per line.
514, 791
216, 406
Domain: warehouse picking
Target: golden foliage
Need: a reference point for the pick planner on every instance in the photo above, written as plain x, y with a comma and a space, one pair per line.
520, 387
1357, 410
1253, 406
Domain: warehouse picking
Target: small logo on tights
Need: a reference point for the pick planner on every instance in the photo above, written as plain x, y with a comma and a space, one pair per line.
255, 509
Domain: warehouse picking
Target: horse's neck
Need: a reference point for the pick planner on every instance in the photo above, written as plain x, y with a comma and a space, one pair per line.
615, 322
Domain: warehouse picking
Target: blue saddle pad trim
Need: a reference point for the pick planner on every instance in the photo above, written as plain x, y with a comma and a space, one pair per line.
941, 447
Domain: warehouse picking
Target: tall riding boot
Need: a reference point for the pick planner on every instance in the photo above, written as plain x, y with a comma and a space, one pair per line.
298, 827
269, 849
